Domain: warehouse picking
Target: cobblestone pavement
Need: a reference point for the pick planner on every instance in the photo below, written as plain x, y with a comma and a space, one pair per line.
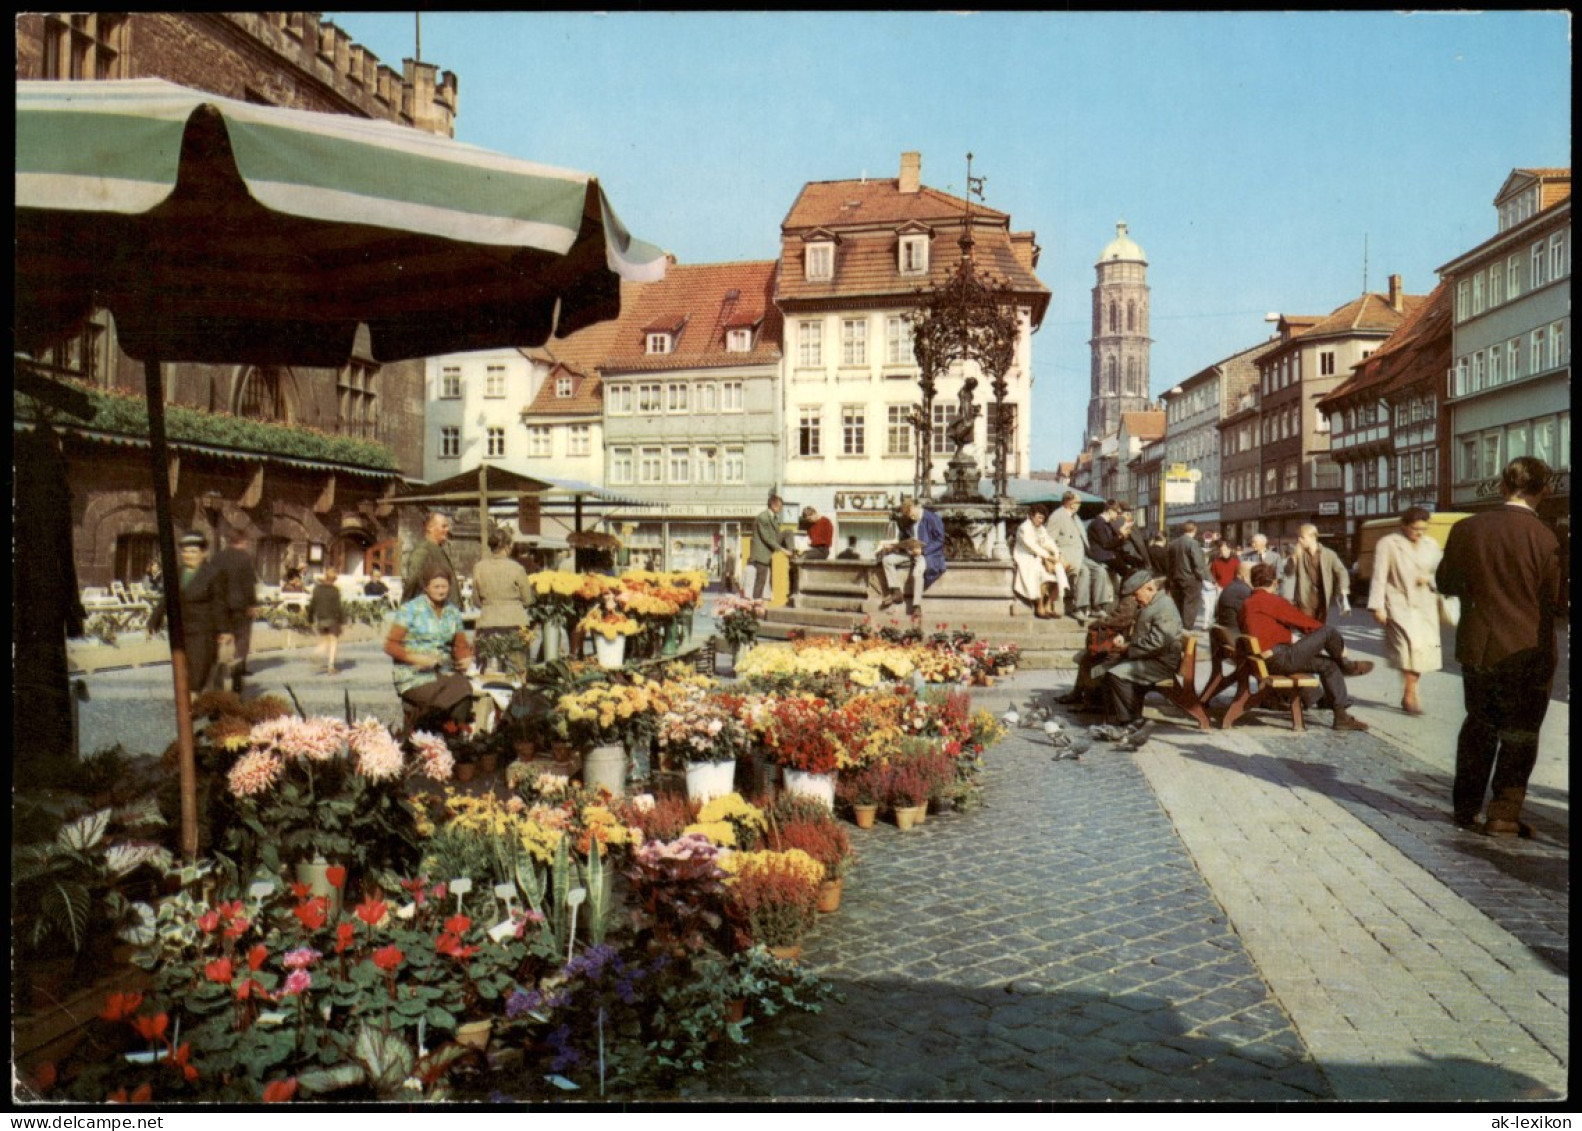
1254, 915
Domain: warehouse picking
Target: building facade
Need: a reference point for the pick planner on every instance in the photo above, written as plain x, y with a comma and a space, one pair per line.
1301, 481
475, 401
1193, 412
1240, 468
1120, 342
858, 259
302, 460
1509, 385
692, 413
1389, 409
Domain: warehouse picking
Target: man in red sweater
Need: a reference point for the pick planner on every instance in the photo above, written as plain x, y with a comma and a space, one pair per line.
820, 535
1321, 650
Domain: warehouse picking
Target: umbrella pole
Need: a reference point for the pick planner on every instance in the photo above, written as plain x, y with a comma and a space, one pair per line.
159, 456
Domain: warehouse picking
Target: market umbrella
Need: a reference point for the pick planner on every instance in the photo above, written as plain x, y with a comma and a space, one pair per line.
221, 231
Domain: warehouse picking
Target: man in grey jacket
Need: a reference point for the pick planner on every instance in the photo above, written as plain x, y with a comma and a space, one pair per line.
765, 541
1315, 577
1153, 653
1072, 539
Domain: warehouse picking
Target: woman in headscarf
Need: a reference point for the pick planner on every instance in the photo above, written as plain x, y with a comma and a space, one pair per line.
1040, 578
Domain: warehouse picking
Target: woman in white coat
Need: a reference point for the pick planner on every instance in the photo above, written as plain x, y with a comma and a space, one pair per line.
1403, 599
1040, 578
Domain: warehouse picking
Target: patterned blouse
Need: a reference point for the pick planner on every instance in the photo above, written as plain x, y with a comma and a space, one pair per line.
426, 631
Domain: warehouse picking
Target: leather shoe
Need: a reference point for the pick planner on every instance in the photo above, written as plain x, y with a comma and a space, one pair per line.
1508, 828
1465, 822
1356, 667
1344, 721
892, 599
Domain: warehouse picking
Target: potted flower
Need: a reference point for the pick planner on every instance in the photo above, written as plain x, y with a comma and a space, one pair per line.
608, 720
772, 898
505, 651
800, 740
701, 736
864, 789
738, 618
803, 823
909, 788
609, 627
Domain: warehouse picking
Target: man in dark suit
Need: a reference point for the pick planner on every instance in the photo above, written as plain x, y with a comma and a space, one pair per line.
1188, 572
1227, 611
235, 566
1504, 564
1103, 538
205, 615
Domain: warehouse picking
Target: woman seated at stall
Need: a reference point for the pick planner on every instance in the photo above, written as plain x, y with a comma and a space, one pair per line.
1040, 578
429, 645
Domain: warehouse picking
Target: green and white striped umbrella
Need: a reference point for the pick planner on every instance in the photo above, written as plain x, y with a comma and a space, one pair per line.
218, 230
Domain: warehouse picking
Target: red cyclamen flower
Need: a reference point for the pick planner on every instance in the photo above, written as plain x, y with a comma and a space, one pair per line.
311, 914
280, 1091
388, 958
219, 971
121, 1006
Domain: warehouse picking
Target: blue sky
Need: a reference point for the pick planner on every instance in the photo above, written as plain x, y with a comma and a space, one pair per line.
1251, 155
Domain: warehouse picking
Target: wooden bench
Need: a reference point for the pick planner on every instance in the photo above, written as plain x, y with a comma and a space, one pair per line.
1181, 688
1255, 685
1222, 661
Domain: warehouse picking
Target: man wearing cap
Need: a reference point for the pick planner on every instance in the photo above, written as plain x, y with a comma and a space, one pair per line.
1152, 653
436, 532
205, 611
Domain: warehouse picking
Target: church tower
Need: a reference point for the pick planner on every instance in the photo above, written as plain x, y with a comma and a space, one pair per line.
1120, 335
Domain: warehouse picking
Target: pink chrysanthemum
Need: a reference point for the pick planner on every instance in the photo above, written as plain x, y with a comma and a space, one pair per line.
297, 982
254, 772
318, 740
268, 733
379, 756
301, 958
368, 729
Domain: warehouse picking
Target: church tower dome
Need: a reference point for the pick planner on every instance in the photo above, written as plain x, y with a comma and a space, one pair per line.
1120, 341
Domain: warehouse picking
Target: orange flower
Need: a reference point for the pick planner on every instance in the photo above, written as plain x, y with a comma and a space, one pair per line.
372, 911
219, 971
256, 956
457, 924
181, 1059
121, 1006
336, 875
388, 958
343, 936
312, 913
280, 1091
151, 1028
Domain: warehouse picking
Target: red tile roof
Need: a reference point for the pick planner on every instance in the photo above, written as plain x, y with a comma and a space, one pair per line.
868, 218
711, 298
1370, 313
1143, 425
587, 396
585, 350
1420, 347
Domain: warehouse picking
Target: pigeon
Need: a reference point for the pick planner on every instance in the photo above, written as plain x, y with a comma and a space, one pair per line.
1011, 718
1051, 727
1136, 739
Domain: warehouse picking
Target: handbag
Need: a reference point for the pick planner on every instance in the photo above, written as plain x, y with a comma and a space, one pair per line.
1101, 641
1449, 610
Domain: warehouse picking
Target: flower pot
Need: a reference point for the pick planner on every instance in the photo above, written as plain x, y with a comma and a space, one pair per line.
735, 1009
865, 815
562, 752
821, 786
1007, 669
906, 816
475, 1034
525, 749
550, 643
708, 780
610, 653
317, 876
672, 642
787, 953
465, 771
829, 895
487, 763
605, 767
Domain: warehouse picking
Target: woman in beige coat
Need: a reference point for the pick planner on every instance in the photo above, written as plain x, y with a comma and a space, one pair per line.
1403, 599
503, 591
1040, 578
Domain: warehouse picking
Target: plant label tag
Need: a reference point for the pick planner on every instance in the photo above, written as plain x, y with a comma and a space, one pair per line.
503, 930
260, 890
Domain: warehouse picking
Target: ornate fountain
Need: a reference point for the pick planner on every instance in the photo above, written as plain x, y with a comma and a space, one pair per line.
966, 321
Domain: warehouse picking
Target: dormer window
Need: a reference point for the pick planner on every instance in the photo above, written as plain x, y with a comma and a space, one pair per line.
563, 386
820, 262
660, 343
738, 341
913, 252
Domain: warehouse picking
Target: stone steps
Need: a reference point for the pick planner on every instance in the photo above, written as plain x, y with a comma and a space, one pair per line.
1043, 644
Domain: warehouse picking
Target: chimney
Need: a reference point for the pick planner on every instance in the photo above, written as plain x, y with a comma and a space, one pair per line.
1397, 300
911, 170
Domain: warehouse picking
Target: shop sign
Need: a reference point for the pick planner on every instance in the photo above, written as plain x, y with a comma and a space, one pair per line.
1328, 510
864, 501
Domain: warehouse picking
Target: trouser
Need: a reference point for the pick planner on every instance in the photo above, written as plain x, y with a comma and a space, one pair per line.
202, 651
1321, 653
903, 572
760, 578
1506, 703
1077, 587
1124, 697
446, 699
1188, 600
1210, 602
244, 644
817, 554
1096, 594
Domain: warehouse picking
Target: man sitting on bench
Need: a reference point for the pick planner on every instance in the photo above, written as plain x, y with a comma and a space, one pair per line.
1321, 650
1153, 653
